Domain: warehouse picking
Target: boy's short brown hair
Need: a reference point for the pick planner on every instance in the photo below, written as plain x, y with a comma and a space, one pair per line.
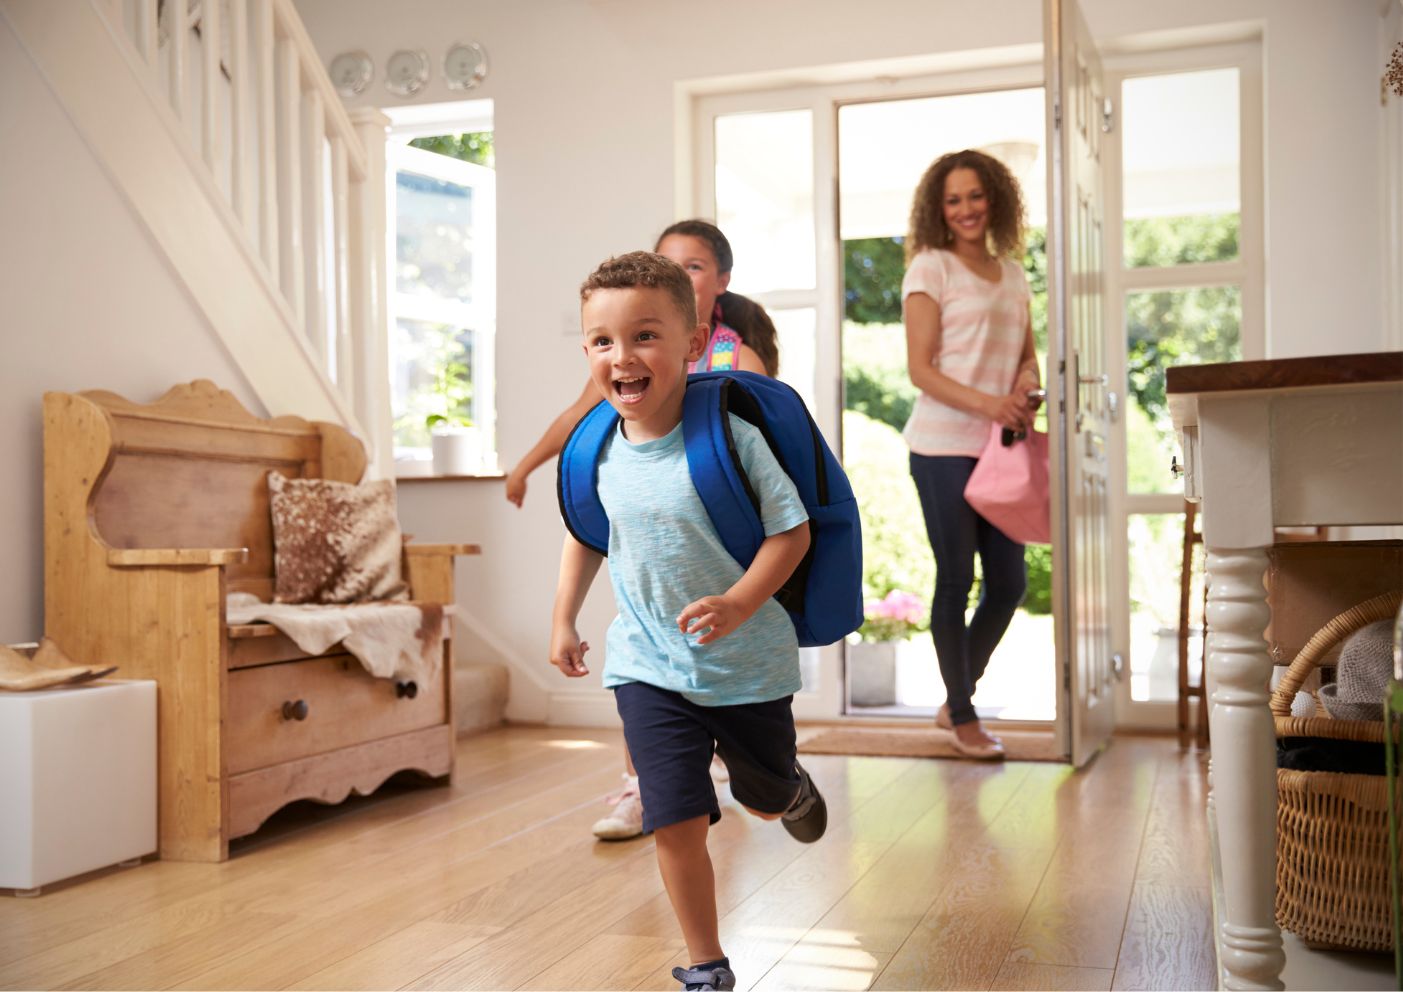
648, 270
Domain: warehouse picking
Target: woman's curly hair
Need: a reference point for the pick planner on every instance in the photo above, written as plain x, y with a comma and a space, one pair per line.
928, 228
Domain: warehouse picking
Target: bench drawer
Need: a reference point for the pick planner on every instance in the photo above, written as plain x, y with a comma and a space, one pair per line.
281, 712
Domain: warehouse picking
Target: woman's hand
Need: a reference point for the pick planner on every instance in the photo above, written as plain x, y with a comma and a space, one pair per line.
1011, 411
1027, 380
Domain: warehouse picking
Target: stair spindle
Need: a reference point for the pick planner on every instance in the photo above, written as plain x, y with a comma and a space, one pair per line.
266, 115
211, 89
178, 19
343, 368
289, 105
314, 225
240, 92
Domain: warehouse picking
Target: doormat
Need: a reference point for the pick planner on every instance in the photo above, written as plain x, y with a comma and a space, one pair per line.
1020, 745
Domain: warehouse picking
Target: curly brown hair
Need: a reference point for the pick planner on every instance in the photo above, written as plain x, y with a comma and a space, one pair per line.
648, 270
928, 228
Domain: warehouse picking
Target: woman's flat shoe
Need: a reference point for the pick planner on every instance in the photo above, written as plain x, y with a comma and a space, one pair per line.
983, 751
942, 718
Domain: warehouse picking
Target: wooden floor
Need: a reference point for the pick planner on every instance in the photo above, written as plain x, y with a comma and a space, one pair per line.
933, 875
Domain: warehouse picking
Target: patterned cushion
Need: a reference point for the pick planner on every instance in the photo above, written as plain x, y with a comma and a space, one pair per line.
334, 542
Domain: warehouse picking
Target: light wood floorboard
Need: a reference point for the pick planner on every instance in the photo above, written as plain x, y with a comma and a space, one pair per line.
934, 874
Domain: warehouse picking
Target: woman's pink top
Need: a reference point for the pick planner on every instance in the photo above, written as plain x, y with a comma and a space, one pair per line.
982, 331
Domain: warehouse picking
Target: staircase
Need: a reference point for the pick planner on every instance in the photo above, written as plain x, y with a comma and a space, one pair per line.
219, 123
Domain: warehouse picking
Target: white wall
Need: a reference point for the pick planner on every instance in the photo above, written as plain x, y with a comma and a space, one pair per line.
89, 303
585, 101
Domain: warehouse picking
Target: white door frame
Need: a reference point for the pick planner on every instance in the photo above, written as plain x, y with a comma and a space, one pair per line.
1247, 272
696, 197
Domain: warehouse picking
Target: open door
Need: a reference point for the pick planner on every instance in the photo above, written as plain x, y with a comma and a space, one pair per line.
1082, 403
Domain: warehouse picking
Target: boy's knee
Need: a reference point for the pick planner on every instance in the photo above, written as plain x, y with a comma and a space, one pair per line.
682, 834
762, 815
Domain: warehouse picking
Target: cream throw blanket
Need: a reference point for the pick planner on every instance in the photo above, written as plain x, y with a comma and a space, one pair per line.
398, 640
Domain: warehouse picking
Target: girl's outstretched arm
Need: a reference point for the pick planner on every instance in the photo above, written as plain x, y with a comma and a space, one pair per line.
550, 443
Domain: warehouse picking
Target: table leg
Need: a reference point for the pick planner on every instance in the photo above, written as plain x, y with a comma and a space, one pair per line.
1243, 791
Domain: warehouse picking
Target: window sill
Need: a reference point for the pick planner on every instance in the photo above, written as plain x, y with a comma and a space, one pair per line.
479, 477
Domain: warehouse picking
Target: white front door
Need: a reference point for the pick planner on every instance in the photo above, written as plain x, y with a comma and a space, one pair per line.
1083, 405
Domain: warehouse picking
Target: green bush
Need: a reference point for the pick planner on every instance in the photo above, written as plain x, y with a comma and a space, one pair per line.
875, 382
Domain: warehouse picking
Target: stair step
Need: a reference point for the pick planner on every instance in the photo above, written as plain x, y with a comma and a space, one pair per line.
479, 696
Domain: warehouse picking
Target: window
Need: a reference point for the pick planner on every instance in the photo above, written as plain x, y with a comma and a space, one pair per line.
1188, 291
442, 338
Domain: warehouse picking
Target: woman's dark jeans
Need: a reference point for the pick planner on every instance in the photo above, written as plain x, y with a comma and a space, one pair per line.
956, 532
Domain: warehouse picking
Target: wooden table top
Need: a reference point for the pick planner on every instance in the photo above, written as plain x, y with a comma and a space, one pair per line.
1284, 373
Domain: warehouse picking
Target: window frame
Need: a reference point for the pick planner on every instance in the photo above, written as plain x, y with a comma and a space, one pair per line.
407, 125
1247, 272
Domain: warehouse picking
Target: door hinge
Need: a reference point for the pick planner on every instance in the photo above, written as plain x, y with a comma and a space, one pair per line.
1108, 116
1057, 113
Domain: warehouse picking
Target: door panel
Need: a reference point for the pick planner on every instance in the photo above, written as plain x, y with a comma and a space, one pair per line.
1079, 381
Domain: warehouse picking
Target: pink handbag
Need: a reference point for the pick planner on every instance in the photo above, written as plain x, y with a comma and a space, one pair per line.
1009, 487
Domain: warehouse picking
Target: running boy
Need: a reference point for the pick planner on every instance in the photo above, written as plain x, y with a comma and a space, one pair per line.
700, 657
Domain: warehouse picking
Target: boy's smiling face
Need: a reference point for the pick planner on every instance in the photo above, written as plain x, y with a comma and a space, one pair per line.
638, 345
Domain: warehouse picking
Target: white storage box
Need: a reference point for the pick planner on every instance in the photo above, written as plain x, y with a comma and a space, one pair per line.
77, 780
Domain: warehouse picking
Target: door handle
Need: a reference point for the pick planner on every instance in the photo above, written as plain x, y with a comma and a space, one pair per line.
1094, 380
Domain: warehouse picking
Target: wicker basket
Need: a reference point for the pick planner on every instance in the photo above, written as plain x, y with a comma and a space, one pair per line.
1332, 864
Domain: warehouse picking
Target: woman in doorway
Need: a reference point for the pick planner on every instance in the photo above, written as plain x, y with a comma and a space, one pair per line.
742, 338
969, 347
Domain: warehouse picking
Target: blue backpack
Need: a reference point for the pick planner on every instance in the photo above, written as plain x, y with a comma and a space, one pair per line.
824, 595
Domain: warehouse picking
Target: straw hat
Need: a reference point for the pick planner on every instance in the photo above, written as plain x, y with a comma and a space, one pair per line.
1366, 662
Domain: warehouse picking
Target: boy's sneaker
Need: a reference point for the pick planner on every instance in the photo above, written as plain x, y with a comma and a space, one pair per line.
626, 820
714, 975
807, 818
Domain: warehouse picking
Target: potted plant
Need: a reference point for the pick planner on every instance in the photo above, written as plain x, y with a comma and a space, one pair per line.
887, 622
454, 437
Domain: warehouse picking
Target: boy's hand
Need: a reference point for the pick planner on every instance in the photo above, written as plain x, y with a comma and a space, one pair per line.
711, 616
567, 652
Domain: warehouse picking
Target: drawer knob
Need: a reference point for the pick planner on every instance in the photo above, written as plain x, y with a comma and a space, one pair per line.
295, 710
406, 690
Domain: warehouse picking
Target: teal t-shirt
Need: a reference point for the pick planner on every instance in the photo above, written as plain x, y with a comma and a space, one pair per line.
664, 553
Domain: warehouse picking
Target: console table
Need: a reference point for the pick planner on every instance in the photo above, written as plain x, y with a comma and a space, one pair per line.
1287, 442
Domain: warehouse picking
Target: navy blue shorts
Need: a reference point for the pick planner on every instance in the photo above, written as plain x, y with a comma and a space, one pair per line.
672, 739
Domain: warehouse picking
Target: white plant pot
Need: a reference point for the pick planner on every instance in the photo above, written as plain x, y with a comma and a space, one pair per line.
457, 450
872, 673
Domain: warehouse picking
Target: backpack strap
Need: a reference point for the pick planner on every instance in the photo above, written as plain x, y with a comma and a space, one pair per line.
715, 467
577, 481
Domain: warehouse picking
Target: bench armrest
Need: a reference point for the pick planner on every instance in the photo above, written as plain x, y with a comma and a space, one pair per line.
118, 557
446, 550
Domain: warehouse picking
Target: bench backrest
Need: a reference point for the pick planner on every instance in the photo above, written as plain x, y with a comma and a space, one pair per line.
191, 471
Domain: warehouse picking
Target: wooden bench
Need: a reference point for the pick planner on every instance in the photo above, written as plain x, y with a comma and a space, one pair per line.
152, 515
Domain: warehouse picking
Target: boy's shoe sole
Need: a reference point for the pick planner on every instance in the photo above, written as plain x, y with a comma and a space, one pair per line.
708, 979
808, 819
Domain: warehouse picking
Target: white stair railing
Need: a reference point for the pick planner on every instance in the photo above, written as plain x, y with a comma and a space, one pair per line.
305, 181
